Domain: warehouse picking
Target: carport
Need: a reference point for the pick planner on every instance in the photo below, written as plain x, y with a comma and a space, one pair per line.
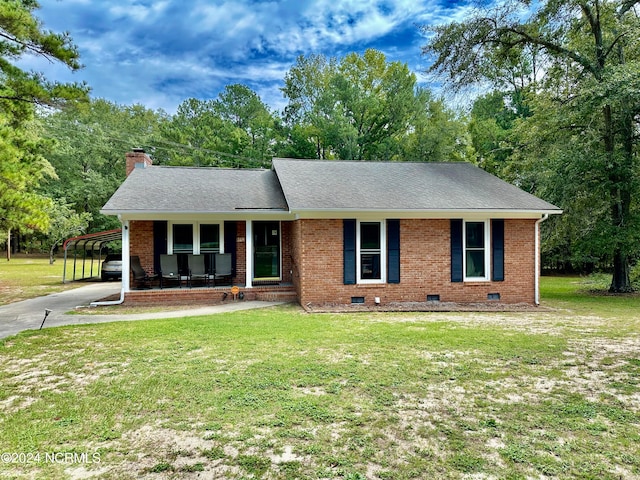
92, 243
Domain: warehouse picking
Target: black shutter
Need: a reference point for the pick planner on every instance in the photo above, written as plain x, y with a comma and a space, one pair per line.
230, 233
393, 251
456, 250
497, 250
160, 229
349, 238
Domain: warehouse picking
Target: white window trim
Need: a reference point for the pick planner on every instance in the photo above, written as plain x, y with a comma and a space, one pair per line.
487, 251
196, 235
383, 254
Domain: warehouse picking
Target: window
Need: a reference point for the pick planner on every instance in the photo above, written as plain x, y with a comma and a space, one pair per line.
209, 238
209, 244
182, 238
196, 238
183, 245
476, 253
370, 252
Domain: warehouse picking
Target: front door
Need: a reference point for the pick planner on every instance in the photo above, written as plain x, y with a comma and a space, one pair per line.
266, 256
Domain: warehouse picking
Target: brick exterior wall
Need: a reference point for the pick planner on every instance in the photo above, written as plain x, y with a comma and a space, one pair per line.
286, 232
207, 296
141, 244
241, 254
312, 260
425, 266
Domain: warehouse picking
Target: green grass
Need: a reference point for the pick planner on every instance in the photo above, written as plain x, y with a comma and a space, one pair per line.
30, 276
281, 394
588, 296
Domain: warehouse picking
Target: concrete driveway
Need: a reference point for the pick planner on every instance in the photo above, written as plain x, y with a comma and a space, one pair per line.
28, 314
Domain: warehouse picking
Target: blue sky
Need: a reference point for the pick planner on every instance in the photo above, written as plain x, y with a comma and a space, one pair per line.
159, 53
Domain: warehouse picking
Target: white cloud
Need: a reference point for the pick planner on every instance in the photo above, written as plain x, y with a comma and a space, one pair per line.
160, 53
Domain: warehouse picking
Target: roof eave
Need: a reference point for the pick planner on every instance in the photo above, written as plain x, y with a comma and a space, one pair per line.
424, 213
172, 215
320, 213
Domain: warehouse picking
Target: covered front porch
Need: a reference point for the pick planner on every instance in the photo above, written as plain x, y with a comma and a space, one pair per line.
260, 253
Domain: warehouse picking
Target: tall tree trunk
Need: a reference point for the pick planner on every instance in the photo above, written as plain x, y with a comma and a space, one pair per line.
8, 244
621, 206
620, 282
621, 198
51, 250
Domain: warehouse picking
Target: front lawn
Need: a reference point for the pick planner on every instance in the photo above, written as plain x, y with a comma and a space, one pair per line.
30, 276
281, 394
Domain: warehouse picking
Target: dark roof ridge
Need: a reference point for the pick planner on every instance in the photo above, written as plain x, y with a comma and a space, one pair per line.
194, 167
406, 162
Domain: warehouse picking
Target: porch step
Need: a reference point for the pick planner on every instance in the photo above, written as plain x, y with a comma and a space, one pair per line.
277, 296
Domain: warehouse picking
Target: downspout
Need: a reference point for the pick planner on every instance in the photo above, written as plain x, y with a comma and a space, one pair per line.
125, 269
537, 258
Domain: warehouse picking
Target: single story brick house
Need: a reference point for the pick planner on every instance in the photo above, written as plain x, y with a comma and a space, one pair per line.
336, 232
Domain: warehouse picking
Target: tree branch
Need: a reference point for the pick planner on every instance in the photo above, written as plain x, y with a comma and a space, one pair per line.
27, 46
525, 38
626, 6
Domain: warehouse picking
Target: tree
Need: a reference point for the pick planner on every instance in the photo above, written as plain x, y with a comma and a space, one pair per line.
88, 152
65, 223
22, 168
235, 130
360, 107
243, 108
307, 88
437, 133
589, 53
22, 165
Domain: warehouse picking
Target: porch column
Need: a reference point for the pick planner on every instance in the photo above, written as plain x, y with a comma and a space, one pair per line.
126, 251
248, 241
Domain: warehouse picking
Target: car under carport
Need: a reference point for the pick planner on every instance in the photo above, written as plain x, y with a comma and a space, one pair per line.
85, 249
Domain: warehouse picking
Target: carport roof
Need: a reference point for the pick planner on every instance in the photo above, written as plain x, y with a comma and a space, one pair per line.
93, 238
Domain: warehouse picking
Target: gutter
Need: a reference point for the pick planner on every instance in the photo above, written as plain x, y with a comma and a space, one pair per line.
537, 258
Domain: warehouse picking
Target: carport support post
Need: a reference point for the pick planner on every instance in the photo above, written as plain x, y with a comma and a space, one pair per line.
64, 267
75, 257
84, 258
93, 249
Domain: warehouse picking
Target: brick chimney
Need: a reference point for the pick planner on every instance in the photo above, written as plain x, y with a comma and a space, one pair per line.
137, 159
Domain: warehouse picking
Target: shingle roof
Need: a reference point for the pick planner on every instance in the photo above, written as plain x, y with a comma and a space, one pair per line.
337, 185
157, 189
320, 185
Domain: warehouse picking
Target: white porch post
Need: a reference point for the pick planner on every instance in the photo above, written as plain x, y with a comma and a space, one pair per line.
248, 241
125, 256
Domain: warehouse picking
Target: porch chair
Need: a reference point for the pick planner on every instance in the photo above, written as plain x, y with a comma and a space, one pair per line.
223, 268
169, 269
196, 270
140, 276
